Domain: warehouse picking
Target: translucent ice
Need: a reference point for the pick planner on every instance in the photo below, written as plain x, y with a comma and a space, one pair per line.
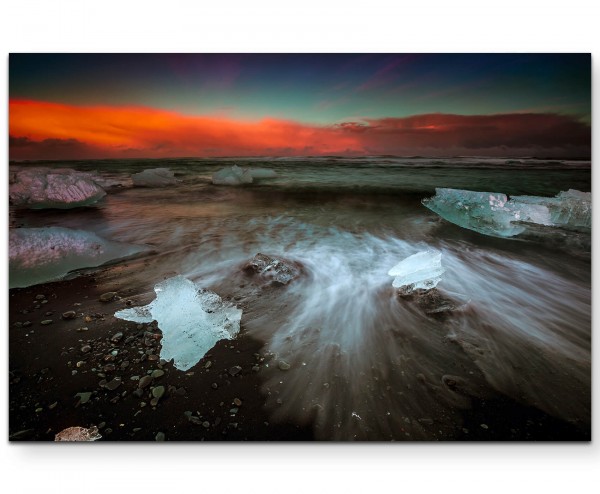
420, 271
234, 175
191, 319
37, 255
53, 188
492, 213
262, 173
569, 209
154, 177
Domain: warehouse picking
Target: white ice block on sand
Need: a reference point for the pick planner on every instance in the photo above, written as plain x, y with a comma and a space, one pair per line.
60, 188
192, 320
420, 271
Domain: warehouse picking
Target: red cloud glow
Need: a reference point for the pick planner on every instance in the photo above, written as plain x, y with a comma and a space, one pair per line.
42, 130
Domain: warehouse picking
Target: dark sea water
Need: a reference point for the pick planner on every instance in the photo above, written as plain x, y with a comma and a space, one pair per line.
364, 363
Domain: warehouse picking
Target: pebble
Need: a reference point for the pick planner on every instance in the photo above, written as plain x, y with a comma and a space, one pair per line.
208, 365
84, 397
45, 322
114, 384
138, 393
214, 385
237, 402
82, 329
206, 424
117, 337
109, 367
125, 364
484, 426
144, 382
153, 358
154, 402
236, 369
158, 392
40, 297
255, 368
26, 324
86, 348
108, 296
157, 373
160, 436
180, 391
53, 405
283, 365
70, 314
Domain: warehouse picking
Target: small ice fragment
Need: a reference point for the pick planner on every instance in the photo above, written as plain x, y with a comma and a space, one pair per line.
259, 173
37, 255
420, 271
233, 175
192, 320
60, 188
78, 434
154, 177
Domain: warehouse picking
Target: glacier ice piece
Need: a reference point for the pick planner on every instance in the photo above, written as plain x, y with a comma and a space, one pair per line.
192, 320
259, 173
78, 434
60, 188
154, 177
492, 213
38, 255
571, 208
234, 175
421, 271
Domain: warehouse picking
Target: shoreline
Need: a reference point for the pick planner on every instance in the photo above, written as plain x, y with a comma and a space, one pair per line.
45, 378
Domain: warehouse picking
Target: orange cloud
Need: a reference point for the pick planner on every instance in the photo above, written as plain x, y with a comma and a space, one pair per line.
156, 133
43, 130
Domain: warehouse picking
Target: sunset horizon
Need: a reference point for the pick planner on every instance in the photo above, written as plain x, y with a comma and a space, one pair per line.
180, 105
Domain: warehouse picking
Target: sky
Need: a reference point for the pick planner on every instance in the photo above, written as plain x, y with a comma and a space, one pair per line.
79, 106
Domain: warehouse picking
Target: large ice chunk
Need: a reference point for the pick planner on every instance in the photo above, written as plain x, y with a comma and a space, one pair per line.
38, 255
572, 209
492, 213
234, 175
191, 319
421, 271
154, 177
60, 188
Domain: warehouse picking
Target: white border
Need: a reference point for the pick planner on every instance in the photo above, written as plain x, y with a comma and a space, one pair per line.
307, 26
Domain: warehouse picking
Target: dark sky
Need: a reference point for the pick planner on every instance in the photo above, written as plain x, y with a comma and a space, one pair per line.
115, 105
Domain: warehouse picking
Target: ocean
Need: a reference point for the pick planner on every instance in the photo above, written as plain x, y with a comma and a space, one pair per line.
365, 363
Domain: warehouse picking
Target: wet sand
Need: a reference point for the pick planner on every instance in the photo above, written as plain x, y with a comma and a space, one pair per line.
48, 368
